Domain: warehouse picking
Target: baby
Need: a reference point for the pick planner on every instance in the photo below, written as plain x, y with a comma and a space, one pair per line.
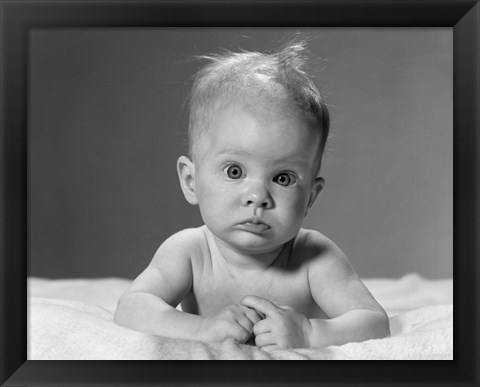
258, 127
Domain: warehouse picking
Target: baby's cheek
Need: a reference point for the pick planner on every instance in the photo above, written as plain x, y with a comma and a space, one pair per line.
299, 206
215, 212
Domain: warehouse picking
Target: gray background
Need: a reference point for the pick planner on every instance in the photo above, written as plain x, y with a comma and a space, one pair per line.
107, 123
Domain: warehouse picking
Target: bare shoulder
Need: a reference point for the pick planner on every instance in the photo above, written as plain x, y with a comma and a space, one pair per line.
320, 254
181, 246
169, 274
313, 245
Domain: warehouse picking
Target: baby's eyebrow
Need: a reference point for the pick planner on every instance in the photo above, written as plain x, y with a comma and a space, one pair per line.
232, 151
238, 152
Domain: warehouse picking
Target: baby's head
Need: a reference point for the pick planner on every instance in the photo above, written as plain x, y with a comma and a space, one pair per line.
260, 83
258, 127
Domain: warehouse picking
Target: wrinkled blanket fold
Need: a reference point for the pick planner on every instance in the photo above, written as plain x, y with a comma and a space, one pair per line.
69, 320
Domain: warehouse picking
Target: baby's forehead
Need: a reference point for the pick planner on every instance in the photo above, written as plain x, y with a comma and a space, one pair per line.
228, 125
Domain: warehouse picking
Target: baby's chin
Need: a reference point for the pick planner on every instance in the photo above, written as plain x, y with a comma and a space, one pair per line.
252, 243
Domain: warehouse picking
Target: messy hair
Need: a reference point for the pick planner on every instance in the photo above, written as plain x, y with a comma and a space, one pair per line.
245, 77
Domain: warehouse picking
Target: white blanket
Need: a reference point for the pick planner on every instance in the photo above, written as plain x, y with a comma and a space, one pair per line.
72, 319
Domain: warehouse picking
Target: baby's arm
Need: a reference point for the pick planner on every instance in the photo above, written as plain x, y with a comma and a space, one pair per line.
354, 313
149, 304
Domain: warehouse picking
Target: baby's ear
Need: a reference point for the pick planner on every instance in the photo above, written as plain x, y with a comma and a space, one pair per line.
317, 187
186, 174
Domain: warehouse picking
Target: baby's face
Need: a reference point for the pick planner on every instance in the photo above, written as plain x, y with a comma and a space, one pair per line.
255, 177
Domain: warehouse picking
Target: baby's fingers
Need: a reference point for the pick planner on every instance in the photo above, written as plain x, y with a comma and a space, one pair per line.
262, 327
248, 319
261, 305
265, 339
240, 333
245, 323
252, 315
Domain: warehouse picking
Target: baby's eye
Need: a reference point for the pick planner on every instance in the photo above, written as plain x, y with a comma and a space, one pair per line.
234, 171
284, 179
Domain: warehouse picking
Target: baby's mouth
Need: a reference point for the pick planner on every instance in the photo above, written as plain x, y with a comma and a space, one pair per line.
255, 224
255, 220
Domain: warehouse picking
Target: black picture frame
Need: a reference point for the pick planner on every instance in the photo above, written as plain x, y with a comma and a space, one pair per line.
19, 17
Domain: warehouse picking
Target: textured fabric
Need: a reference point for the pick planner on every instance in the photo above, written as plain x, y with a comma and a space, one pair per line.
72, 319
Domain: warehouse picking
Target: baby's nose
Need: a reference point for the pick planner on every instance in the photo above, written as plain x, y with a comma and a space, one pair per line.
257, 195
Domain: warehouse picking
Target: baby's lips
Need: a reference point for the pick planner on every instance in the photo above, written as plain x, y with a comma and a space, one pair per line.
255, 220
255, 227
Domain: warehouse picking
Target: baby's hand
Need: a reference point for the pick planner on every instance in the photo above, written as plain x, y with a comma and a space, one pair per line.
233, 322
283, 327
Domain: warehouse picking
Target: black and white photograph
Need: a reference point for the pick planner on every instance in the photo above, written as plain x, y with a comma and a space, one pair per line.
269, 180
241, 194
